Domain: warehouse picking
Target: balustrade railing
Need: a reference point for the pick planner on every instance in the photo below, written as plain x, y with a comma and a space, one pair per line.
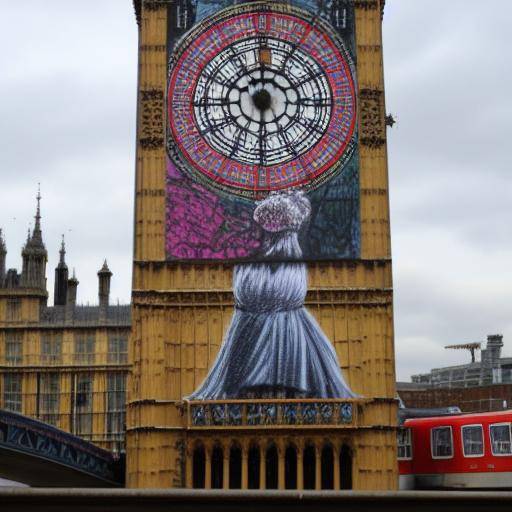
271, 413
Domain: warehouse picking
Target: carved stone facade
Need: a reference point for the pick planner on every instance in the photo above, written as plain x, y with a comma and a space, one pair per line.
66, 364
373, 126
151, 118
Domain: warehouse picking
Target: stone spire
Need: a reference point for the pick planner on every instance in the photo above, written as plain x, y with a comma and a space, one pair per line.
37, 235
34, 255
61, 278
3, 254
62, 252
104, 276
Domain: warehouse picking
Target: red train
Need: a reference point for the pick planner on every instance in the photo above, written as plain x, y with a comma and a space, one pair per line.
465, 451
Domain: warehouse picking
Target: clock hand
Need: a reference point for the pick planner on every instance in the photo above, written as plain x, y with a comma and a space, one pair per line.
238, 60
236, 145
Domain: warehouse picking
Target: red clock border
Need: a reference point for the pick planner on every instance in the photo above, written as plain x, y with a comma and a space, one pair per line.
209, 166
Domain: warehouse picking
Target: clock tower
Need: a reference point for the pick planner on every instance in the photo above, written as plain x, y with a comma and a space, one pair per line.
262, 335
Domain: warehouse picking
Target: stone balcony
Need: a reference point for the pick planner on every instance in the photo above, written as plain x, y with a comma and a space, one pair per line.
271, 413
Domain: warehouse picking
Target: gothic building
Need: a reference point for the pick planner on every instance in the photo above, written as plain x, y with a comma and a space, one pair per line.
64, 364
200, 170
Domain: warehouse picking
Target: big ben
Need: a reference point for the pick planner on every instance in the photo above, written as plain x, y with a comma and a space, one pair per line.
262, 322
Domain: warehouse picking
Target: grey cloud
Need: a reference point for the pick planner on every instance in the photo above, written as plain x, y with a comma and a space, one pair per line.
448, 82
67, 119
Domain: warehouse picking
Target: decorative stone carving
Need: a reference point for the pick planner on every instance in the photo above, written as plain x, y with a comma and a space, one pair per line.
151, 118
373, 130
155, 5
367, 5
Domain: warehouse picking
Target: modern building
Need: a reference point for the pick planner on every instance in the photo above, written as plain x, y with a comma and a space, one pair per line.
182, 306
65, 364
491, 369
478, 386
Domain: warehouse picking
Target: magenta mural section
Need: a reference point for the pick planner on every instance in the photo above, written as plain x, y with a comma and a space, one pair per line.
200, 226
261, 100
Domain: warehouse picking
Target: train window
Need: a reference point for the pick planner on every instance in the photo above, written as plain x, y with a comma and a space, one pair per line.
404, 444
473, 440
441, 442
501, 439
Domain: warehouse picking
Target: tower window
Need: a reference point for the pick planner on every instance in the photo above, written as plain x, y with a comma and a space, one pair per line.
13, 348
115, 406
309, 467
51, 348
345, 467
217, 468
48, 397
339, 15
290, 468
82, 406
13, 310
85, 348
12, 392
253, 464
327, 467
272, 465
235, 468
198, 468
182, 15
117, 347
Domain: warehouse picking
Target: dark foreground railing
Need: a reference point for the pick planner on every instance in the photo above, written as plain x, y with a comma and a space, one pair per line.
36, 453
128, 500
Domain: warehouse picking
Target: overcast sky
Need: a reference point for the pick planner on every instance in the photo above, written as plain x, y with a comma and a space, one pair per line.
67, 120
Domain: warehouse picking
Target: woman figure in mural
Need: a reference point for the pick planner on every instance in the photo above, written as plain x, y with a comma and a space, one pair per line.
274, 348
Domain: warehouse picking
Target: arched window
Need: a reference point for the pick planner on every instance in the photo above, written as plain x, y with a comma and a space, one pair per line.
198, 467
235, 468
272, 464
290, 468
327, 467
253, 464
217, 468
309, 467
345, 467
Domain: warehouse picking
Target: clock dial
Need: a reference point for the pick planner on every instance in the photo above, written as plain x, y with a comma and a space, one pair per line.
261, 98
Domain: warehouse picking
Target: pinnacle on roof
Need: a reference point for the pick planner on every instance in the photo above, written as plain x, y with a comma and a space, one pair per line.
104, 269
37, 236
62, 253
35, 240
73, 277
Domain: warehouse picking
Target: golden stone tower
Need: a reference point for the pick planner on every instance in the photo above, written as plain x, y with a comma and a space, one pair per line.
183, 303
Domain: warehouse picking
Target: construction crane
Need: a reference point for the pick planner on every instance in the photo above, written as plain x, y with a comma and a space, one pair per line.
467, 346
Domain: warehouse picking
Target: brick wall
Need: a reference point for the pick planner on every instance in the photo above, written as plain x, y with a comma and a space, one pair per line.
475, 399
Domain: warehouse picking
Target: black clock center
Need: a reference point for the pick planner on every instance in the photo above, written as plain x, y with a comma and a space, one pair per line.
262, 100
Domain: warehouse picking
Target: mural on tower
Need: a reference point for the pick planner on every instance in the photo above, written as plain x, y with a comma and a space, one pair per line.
261, 101
263, 170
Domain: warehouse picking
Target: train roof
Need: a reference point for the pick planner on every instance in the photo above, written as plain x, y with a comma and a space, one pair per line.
462, 419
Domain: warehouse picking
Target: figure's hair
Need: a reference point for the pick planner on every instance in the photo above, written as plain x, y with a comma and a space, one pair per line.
283, 211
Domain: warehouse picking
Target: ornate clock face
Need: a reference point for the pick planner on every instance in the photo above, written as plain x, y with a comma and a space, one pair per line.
261, 97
